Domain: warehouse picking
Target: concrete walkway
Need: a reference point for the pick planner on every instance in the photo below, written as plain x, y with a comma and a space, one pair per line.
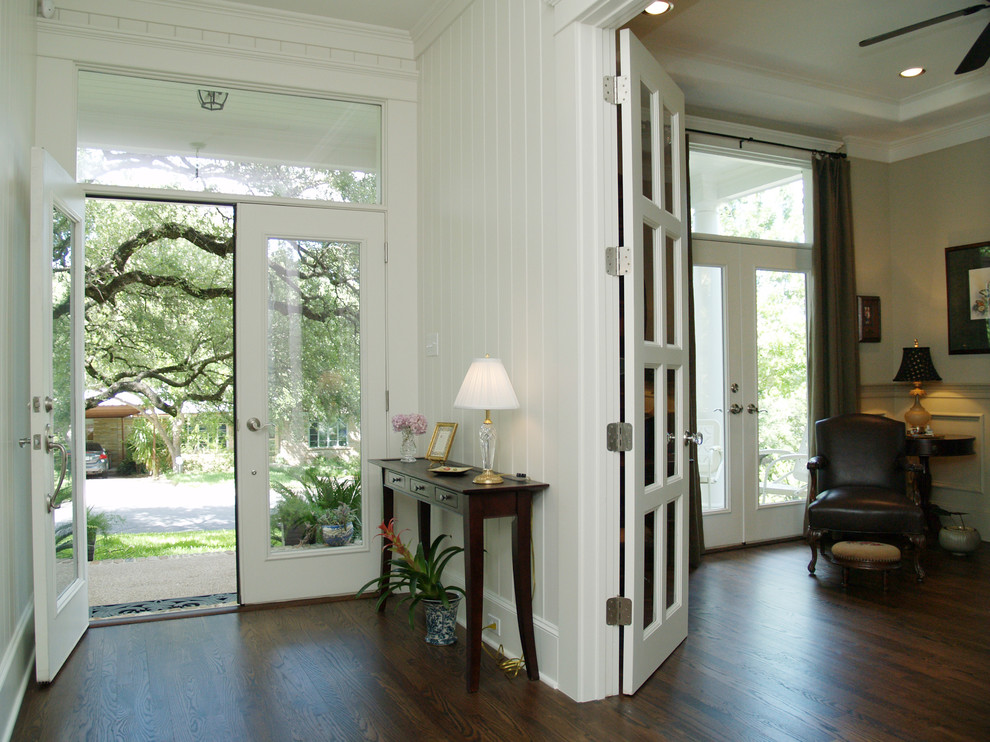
158, 505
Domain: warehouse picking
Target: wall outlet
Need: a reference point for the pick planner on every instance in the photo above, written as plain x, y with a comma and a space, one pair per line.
493, 619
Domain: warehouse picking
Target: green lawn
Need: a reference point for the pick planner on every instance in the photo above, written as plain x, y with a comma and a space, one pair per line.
131, 545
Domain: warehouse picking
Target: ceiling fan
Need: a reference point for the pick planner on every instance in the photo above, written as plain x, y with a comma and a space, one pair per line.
975, 58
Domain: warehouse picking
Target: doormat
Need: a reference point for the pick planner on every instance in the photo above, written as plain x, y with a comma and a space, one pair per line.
161, 606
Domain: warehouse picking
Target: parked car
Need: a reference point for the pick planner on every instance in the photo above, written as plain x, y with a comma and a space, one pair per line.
97, 459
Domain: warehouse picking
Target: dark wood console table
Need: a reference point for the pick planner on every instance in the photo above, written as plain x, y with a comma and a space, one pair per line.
924, 448
474, 503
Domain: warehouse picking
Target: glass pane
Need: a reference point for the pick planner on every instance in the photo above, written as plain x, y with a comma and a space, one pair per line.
743, 196
709, 318
668, 162
650, 446
673, 450
649, 568
670, 289
314, 393
646, 103
782, 370
649, 286
159, 134
67, 556
671, 556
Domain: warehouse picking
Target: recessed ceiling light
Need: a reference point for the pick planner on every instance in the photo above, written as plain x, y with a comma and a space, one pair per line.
658, 7
912, 72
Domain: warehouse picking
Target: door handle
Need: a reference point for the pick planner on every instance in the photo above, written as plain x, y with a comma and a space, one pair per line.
752, 409
254, 424
695, 438
735, 408
50, 445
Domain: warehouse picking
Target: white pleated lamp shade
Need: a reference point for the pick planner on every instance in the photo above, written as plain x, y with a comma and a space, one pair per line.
486, 386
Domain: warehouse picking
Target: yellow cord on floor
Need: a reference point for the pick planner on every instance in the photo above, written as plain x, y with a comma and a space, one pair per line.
508, 665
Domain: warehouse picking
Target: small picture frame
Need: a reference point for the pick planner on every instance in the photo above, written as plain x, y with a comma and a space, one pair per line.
442, 440
869, 318
967, 293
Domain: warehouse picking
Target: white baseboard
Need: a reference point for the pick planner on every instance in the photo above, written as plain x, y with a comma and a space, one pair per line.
15, 671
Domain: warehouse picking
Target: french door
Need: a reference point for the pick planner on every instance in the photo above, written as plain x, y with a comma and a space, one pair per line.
310, 364
751, 325
655, 364
57, 440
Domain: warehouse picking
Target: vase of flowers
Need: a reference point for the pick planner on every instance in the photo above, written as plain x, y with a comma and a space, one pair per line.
420, 575
410, 426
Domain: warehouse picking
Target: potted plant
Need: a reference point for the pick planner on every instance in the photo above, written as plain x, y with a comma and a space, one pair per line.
960, 540
98, 523
308, 503
420, 576
338, 525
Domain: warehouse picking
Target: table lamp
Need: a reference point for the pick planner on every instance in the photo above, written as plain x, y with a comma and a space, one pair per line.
486, 387
916, 367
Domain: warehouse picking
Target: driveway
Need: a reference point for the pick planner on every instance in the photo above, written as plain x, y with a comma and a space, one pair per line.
149, 505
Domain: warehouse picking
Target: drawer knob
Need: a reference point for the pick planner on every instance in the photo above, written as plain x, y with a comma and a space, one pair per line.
443, 496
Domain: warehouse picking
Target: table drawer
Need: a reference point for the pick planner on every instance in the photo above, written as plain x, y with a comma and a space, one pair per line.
420, 490
447, 499
396, 481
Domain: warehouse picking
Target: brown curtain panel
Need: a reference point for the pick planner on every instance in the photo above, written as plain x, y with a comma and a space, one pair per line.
834, 342
696, 531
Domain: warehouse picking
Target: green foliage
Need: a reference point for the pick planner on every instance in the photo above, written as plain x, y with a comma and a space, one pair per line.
312, 499
772, 214
144, 446
98, 523
418, 576
135, 545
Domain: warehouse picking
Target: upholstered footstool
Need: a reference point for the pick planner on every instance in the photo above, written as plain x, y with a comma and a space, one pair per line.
866, 555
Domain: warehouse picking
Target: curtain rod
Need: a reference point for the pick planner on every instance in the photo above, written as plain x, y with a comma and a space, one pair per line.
764, 141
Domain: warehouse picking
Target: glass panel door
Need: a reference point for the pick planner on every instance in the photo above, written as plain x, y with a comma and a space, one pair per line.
309, 346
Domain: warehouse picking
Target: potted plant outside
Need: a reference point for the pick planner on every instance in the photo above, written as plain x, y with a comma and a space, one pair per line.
307, 504
338, 525
419, 577
98, 523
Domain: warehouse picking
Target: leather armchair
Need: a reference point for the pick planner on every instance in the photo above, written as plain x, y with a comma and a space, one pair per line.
859, 485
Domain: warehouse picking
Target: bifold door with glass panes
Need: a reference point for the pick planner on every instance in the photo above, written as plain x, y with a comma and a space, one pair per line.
309, 329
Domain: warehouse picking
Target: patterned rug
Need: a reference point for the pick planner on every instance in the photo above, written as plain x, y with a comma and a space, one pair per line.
167, 605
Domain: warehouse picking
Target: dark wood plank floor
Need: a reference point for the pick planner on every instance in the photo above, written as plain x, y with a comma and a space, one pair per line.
773, 654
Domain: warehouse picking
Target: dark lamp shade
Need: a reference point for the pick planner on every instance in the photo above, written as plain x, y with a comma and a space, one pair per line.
916, 365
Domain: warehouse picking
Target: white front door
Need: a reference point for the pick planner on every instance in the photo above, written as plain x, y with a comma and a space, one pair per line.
58, 441
310, 364
751, 325
654, 364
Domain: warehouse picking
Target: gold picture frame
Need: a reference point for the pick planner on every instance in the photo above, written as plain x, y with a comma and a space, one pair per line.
442, 440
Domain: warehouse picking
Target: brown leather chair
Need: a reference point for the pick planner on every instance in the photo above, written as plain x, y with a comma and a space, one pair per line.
859, 485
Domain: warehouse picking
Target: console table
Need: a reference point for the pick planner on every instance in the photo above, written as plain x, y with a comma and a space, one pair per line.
474, 503
924, 447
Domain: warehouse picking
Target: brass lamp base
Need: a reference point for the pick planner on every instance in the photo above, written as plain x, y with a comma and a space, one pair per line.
488, 477
917, 418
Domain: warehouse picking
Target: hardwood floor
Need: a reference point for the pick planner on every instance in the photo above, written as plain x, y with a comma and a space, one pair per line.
772, 654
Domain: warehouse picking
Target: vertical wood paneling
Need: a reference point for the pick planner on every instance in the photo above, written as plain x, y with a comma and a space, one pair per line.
483, 276
17, 74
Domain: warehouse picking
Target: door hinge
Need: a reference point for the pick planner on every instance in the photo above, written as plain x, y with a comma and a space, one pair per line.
618, 611
618, 260
616, 89
619, 436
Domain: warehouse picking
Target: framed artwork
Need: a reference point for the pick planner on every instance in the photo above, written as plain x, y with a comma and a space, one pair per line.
967, 290
869, 318
442, 440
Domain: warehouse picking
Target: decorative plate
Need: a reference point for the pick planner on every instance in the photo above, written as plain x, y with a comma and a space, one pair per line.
449, 469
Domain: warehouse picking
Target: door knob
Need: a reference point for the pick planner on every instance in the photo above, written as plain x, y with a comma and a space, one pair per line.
752, 409
695, 438
735, 408
254, 424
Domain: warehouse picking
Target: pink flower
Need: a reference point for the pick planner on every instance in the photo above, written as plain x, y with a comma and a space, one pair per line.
414, 423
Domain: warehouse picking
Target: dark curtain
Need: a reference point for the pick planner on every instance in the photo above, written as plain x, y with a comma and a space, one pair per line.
834, 340
696, 531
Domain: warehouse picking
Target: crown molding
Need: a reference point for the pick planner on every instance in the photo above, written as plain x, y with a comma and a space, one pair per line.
745, 131
922, 144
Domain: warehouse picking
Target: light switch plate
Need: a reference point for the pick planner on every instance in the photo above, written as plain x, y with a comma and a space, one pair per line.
433, 344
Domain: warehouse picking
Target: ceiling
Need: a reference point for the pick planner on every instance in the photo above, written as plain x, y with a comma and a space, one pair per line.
789, 64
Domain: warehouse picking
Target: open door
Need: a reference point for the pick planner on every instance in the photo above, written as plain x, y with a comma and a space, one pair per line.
58, 441
655, 364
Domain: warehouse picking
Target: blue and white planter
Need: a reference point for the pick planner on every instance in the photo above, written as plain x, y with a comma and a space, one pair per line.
338, 535
441, 620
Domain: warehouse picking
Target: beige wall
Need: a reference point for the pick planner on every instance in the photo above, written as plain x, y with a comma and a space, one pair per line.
906, 214
17, 70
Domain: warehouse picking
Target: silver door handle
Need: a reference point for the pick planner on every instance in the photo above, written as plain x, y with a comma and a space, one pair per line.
50, 444
752, 409
695, 438
735, 408
254, 424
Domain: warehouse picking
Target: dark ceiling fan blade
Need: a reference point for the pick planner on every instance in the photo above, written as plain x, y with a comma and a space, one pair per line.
923, 24
978, 53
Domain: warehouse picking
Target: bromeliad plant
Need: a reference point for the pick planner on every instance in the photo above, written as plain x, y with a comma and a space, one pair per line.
419, 573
